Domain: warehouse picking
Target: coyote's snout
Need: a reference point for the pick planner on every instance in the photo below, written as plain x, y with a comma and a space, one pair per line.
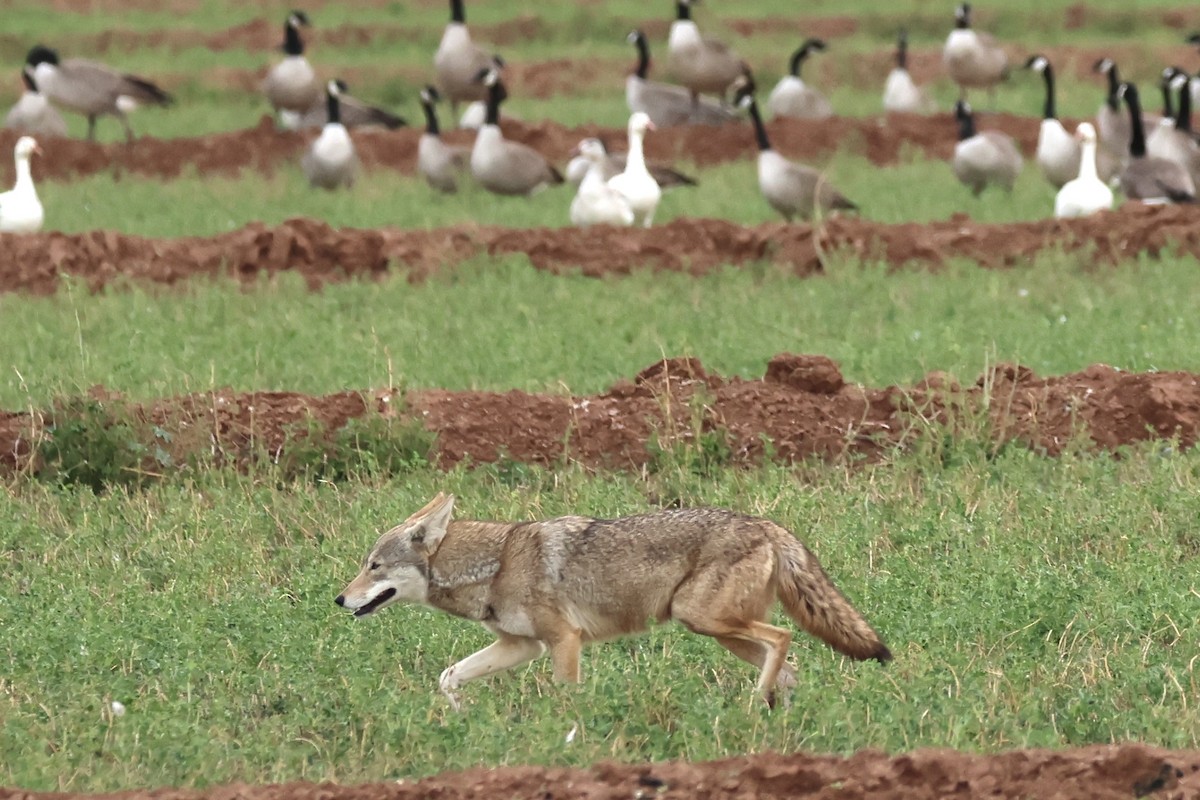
559, 583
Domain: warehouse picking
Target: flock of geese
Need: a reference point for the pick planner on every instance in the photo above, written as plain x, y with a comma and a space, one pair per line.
1149, 158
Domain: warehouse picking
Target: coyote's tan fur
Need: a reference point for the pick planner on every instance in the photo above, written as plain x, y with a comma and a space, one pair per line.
562, 582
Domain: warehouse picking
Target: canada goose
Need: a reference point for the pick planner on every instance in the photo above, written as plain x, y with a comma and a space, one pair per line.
20, 209
501, 166
90, 88
792, 97
636, 183
331, 162
1112, 123
1086, 194
1058, 152
1151, 180
900, 92
1176, 141
439, 163
291, 86
32, 113
1160, 136
791, 189
614, 164
983, 157
355, 114
973, 60
459, 61
666, 103
702, 64
597, 203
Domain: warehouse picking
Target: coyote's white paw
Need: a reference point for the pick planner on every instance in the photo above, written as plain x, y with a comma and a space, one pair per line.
448, 682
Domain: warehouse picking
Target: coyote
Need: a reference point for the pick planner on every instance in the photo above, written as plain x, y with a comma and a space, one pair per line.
562, 582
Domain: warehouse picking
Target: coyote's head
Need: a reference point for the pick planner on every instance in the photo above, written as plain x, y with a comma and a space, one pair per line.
397, 568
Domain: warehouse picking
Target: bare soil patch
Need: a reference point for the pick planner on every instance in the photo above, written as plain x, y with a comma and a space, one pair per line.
801, 408
36, 263
1115, 772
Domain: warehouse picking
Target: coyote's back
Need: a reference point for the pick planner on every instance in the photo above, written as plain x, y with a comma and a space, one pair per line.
561, 582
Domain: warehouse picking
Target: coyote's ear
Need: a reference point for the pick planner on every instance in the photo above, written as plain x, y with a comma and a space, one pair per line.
429, 524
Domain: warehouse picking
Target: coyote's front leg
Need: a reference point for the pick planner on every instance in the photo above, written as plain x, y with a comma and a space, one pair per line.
504, 653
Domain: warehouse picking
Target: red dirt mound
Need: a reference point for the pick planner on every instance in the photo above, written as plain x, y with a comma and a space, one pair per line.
802, 407
1091, 773
882, 140
36, 263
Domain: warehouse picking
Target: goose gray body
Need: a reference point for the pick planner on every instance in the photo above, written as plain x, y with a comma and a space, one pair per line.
440, 164
458, 61
792, 97
501, 166
291, 85
793, 190
702, 64
972, 59
983, 158
91, 88
331, 161
667, 104
1145, 178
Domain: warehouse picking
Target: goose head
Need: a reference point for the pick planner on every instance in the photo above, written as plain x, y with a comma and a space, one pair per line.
962, 16
743, 88
490, 77
1085, 133
40, 54
1104, 66
591, 149
639, 123
1037, 63
809, 46
430, 95
298, 19
26, 147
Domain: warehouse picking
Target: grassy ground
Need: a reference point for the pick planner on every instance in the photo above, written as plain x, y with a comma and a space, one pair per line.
1027, 601
504, 325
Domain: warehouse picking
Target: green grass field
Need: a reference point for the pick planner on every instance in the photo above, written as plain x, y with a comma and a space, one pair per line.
1028, 601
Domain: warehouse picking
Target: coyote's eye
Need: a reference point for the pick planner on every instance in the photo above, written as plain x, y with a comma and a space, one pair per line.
374, 566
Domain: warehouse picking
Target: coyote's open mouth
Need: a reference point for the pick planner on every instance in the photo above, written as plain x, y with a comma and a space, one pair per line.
376, 602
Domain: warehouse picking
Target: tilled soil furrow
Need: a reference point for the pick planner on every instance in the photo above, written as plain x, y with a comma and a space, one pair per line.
801, 408
36, 263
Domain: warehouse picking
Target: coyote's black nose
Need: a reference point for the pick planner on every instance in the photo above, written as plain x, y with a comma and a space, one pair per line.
340, 599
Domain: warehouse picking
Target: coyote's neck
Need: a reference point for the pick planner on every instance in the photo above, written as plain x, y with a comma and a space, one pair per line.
462, 569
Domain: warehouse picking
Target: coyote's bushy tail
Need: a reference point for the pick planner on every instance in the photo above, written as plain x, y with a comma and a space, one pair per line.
816, 605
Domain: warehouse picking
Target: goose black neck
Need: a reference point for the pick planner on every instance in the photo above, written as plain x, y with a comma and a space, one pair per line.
760, 130
457, 12
902, 52
30, 86
293, 45
643, 49
966, 125
1114, 86
1183, 118
1168, 101
493, 104
431, 120
334, 108
798, 61
1048, 112
1137, 139
682, 10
